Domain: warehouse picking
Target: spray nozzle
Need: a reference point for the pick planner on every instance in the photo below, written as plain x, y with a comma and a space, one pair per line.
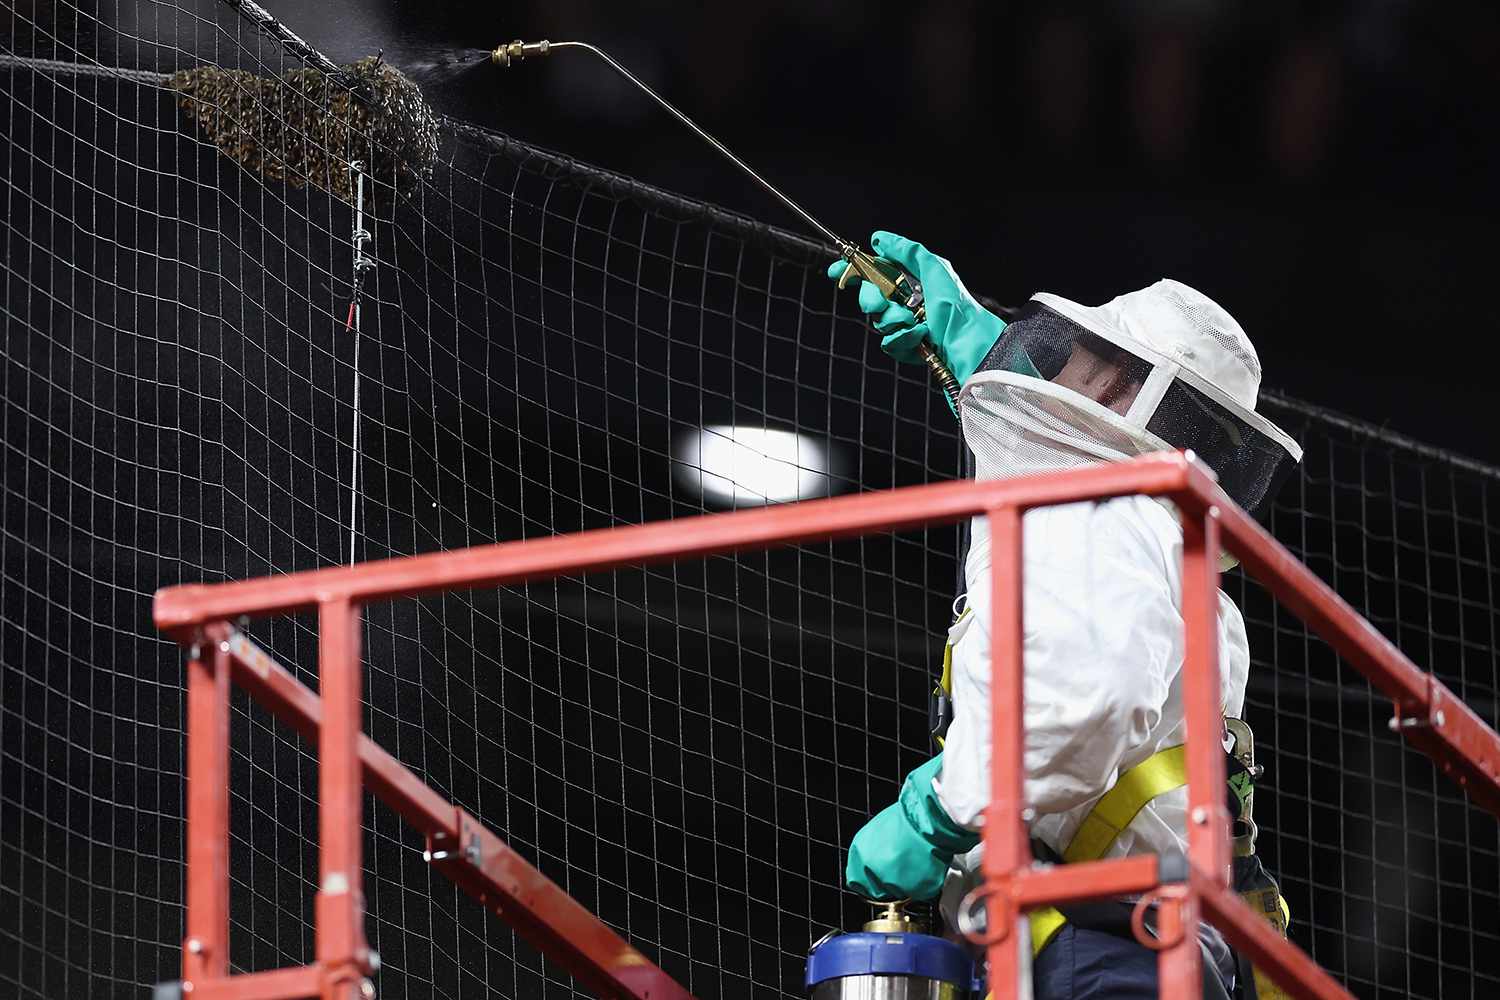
509, 52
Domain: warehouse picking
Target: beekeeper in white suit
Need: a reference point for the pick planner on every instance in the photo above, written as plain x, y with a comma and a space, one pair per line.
1062, 386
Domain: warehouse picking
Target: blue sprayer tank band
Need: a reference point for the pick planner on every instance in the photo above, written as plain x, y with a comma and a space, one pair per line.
866, 953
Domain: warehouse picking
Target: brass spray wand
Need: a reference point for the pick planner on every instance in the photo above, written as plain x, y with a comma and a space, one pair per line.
893, 281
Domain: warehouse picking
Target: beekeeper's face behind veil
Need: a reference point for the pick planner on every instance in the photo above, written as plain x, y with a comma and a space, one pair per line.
1161, 368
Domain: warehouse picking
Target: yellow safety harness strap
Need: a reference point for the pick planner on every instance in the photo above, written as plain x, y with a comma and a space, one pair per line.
942, 695
945, 683
1158, 774
1045, 923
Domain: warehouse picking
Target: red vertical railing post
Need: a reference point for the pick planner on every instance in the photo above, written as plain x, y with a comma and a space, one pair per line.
1007, 851
1180, 964
1203, 701
341, 948
205, 945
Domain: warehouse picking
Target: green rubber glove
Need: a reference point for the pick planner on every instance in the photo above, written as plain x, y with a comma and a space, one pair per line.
904, 852
961, 329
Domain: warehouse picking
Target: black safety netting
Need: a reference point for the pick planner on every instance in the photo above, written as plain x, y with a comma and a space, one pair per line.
545, 347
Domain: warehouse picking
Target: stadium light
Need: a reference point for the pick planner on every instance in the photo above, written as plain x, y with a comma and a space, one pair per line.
734, 466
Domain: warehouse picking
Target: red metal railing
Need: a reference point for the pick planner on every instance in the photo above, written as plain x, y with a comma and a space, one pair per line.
480, 863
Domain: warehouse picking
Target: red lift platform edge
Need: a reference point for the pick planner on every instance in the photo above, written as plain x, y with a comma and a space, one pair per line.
200, 617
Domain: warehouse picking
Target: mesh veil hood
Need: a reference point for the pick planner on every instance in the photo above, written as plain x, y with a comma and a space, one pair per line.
1163, 367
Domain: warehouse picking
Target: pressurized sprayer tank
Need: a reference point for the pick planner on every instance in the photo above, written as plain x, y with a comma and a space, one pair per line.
889, 960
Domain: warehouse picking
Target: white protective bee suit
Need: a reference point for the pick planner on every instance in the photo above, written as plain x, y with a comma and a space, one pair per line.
1102, 582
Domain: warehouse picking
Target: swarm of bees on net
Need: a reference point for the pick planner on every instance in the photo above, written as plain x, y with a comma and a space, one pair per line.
303, 128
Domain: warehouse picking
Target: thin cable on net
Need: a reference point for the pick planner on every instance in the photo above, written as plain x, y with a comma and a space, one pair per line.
66, 67
363, 265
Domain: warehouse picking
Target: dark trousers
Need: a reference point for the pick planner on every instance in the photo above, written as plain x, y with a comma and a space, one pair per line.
1082, 964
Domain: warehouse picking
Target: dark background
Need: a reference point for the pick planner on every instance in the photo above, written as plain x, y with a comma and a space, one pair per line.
1324, 170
